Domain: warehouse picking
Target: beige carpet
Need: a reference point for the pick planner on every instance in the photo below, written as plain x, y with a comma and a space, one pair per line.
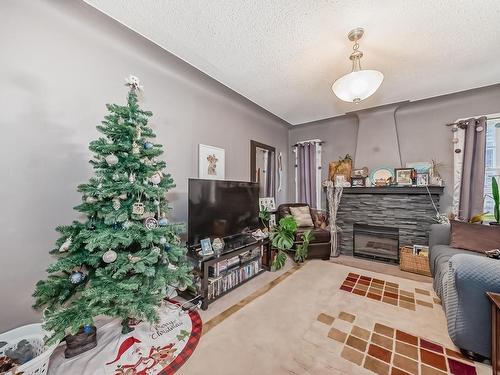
308, 325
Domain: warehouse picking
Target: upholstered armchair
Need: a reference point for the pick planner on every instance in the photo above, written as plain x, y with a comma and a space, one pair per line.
319, 247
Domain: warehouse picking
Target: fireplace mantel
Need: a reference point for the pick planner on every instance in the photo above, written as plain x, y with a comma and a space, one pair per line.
408, 190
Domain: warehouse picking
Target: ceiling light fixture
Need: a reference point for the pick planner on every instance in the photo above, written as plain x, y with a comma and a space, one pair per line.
359, 84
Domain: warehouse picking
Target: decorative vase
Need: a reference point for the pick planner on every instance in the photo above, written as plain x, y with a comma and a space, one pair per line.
80, 342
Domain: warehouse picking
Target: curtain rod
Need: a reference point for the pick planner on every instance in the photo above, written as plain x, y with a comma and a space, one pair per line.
319, 141
467, 122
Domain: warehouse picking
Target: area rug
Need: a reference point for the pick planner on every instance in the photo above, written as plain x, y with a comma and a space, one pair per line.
328, 318
160, 349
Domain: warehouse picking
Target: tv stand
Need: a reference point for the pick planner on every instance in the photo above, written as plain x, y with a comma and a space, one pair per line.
239, 262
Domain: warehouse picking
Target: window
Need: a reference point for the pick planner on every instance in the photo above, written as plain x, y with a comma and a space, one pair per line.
492, 162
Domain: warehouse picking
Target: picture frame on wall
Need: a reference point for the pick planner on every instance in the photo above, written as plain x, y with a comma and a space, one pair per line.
211, 163
403, 176
267, 203
422, 179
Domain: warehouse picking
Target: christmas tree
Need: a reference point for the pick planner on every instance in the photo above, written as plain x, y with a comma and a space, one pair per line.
122, 259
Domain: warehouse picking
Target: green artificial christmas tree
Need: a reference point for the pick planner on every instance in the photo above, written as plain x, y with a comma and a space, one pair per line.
120, 262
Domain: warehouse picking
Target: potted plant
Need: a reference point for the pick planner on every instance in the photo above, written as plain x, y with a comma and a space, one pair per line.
301, 250
496, 198
282, 237
264, 216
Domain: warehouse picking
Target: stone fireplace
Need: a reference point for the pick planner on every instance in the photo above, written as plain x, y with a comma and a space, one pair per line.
406, 209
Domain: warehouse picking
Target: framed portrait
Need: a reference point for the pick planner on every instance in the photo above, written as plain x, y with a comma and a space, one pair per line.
403, 176
267, 203
420, 166
422, 179
206, 247
358, 181
211, 163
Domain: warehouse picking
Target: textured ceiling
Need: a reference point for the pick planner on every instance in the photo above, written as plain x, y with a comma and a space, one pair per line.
285, 54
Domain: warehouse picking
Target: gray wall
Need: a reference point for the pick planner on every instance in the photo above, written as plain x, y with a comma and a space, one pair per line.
61, 62
421, 132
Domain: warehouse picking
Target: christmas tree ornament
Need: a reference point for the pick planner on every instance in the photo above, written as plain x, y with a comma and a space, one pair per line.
138, 208
133, 82
156, 202
156, 250
155, 179
117, 226
87, 328
133, 259
109, 256
151, 223
91, 224
123, 196
163, 240
91, 200
131, 178
127, 224
111, 159
172, 267
115, 177
148, 145
65, 246
116, 204
167, 247
76, 277
135, 149
163, 222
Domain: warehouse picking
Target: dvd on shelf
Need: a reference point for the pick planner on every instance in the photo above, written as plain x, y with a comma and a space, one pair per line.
221, 283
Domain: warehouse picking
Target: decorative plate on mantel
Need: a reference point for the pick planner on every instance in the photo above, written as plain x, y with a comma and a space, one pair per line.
381, 174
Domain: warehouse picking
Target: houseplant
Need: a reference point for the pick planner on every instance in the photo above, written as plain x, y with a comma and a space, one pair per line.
282, 237
496, 198
301, 250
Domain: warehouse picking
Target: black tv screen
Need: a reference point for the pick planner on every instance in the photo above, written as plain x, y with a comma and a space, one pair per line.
221, 208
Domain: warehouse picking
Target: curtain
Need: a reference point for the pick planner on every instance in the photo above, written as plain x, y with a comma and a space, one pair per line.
306, 173
469, 176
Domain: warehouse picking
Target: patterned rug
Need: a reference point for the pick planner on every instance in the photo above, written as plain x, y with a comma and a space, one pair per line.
328, 318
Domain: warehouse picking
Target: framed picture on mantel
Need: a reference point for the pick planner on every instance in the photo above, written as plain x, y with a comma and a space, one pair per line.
403, 176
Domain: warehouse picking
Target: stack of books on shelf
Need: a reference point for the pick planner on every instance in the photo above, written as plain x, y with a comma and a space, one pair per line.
226, 277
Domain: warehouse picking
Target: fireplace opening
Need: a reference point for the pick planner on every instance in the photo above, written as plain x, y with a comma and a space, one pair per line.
376, 242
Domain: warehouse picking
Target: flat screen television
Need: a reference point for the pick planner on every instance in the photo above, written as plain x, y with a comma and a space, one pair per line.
221, 209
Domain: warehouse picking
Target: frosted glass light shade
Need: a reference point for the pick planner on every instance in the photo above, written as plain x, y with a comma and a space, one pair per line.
358, 85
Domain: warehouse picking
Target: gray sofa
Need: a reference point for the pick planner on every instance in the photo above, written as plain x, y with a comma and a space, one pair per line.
461, 280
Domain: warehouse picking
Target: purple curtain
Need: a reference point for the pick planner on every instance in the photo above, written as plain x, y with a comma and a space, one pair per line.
306, 173
472, 186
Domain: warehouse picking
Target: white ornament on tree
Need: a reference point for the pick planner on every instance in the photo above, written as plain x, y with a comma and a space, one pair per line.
116, 204
65, 246
123, 196
133, 259
135, 149
131, 178
138, 208
109, 256
156, 178
91, 200
163, 240
111, 159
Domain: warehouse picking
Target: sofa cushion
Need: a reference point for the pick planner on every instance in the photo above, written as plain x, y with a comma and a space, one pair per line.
320, 235
474, 237
438, 262
302, 216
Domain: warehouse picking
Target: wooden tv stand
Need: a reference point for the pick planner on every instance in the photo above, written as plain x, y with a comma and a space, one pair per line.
219, 279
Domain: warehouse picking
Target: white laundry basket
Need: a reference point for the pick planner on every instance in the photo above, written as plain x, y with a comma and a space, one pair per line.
34, 334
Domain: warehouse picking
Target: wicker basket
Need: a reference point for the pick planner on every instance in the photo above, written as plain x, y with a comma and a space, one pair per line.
413, 263
34, 334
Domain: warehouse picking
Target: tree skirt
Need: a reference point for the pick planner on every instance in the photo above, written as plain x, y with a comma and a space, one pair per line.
148, 350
